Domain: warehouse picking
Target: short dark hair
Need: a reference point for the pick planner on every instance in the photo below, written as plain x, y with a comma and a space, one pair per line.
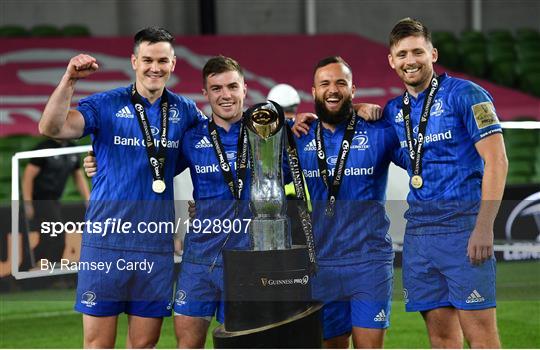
329, 60
152, 35
220, 64
408, 27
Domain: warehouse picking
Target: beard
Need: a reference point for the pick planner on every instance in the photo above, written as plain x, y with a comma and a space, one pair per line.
334, 118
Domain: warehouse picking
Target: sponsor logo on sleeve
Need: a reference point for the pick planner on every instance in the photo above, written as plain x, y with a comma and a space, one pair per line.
484, 114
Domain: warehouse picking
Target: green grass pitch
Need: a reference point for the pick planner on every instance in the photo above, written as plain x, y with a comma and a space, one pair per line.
45, 319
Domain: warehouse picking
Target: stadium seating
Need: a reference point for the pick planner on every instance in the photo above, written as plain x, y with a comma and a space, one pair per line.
45, 30
526, 34
523, 151
75, 30
500, 35
504, 58
447, 45
12, 31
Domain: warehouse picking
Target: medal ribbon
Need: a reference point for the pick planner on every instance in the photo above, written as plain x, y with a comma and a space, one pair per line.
156, 159
333, 188
299, 187
416, 154
235, 186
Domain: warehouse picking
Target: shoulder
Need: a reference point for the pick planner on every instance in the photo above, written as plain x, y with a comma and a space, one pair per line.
185, 106
383, 123
196, 130
107, 97
393, 105
392, 111
463, 88
181, 101
310, 134
395, 102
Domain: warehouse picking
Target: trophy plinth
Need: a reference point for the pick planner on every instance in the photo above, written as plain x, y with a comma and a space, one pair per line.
267, 290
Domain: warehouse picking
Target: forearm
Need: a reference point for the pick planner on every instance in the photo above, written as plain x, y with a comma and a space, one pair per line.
30, 173
82, 185
492, 192
56, 111
27, 188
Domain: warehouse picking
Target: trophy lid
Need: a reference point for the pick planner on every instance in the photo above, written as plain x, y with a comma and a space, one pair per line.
265, 119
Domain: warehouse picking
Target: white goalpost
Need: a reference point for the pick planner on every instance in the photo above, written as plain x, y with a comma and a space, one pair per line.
15, 207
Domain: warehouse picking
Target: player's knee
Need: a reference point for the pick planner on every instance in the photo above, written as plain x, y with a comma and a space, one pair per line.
339, 342
487, 339
95, 342
144, 341
446, 341
190, 342
188, 339
492, 343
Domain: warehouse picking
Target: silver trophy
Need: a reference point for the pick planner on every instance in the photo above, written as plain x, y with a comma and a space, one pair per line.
261, 312
269, 227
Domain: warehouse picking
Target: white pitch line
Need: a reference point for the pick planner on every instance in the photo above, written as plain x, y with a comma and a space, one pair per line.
37, 315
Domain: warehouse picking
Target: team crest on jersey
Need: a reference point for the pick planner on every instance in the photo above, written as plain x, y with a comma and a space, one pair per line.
311, 146
399, 117
174, 114
437, 108
360, 141
484, 114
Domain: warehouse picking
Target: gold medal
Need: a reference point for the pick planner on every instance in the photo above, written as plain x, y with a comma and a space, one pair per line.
416, 181
158, 186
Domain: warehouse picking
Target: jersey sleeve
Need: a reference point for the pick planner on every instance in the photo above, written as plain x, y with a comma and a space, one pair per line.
477, 110
90, 110
195, 115
182, 164
397, 155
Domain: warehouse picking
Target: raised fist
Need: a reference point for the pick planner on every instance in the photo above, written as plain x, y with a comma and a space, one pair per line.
81, 66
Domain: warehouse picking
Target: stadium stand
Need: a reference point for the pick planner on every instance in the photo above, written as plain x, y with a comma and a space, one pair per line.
500, 56
45, 30
522, 148
75, 30
13, 31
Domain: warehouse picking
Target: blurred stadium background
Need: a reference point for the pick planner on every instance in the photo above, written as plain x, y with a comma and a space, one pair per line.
494, 43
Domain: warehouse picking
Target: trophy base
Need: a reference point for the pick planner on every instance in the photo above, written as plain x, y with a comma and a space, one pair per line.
268, 297
302, 331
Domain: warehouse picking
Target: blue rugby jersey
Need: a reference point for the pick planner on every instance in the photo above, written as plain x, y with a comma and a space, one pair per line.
462, 114
358, 231
213, 198
122, 187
